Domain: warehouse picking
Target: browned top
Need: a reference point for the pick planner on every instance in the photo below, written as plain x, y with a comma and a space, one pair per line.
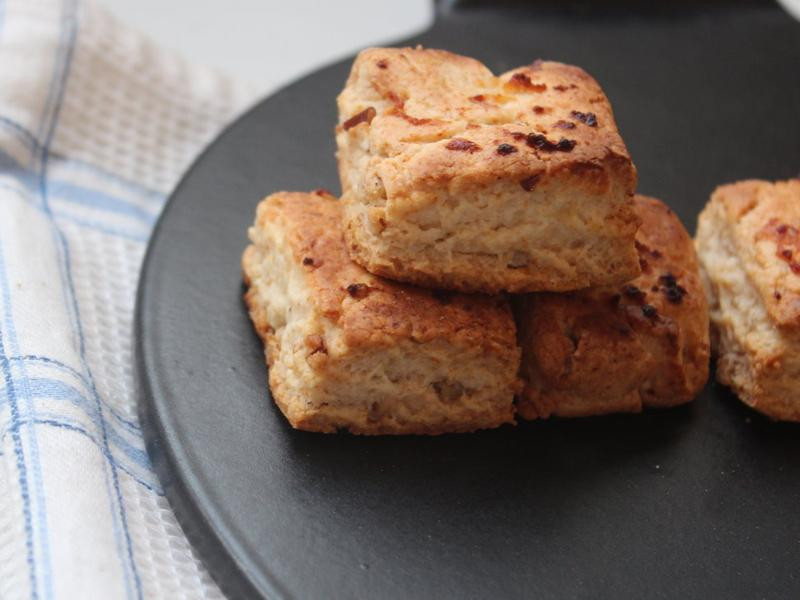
440, 116
372, 310
764, 218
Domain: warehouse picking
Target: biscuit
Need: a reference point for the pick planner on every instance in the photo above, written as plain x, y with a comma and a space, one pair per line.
349, 350
620, 348
748, 240
454, 178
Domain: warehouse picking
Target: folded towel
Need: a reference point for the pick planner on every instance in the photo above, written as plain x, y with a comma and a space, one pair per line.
96, 126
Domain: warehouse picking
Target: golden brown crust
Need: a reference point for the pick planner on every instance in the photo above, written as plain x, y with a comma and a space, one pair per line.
351, 351
450, 172
424, 99
621, 348
377, 311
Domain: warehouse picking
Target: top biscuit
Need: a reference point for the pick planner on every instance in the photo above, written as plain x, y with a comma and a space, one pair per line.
456, 178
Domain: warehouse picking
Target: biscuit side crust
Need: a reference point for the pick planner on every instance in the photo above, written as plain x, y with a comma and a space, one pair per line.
348, 350
620, 348
753, 292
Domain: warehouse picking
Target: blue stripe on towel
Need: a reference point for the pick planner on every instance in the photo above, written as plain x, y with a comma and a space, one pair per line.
58, 420
34, 145
97, 199
53, 389
22, 472
77, 194
93, 225
128, 424
57, 97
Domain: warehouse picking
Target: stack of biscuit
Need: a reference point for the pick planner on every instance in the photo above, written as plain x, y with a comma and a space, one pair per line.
488, 260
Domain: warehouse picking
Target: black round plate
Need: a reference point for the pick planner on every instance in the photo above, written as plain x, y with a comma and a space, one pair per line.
701, 501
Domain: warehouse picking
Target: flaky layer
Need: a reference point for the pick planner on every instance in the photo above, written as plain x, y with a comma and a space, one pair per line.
494, 239
620, 348
456, 178
349, 350
743, 236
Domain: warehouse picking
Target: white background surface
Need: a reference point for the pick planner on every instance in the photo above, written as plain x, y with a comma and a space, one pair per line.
271, 42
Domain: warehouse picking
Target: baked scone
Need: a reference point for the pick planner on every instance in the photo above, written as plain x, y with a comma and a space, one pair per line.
349, 350
620, 348
454, 178
748, 240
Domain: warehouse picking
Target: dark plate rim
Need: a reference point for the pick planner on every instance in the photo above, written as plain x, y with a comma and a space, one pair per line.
227, 562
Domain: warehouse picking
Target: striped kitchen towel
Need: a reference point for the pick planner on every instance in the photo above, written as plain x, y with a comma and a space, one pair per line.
96, 126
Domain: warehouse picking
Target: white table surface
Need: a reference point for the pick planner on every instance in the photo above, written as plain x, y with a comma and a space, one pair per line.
271, 42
